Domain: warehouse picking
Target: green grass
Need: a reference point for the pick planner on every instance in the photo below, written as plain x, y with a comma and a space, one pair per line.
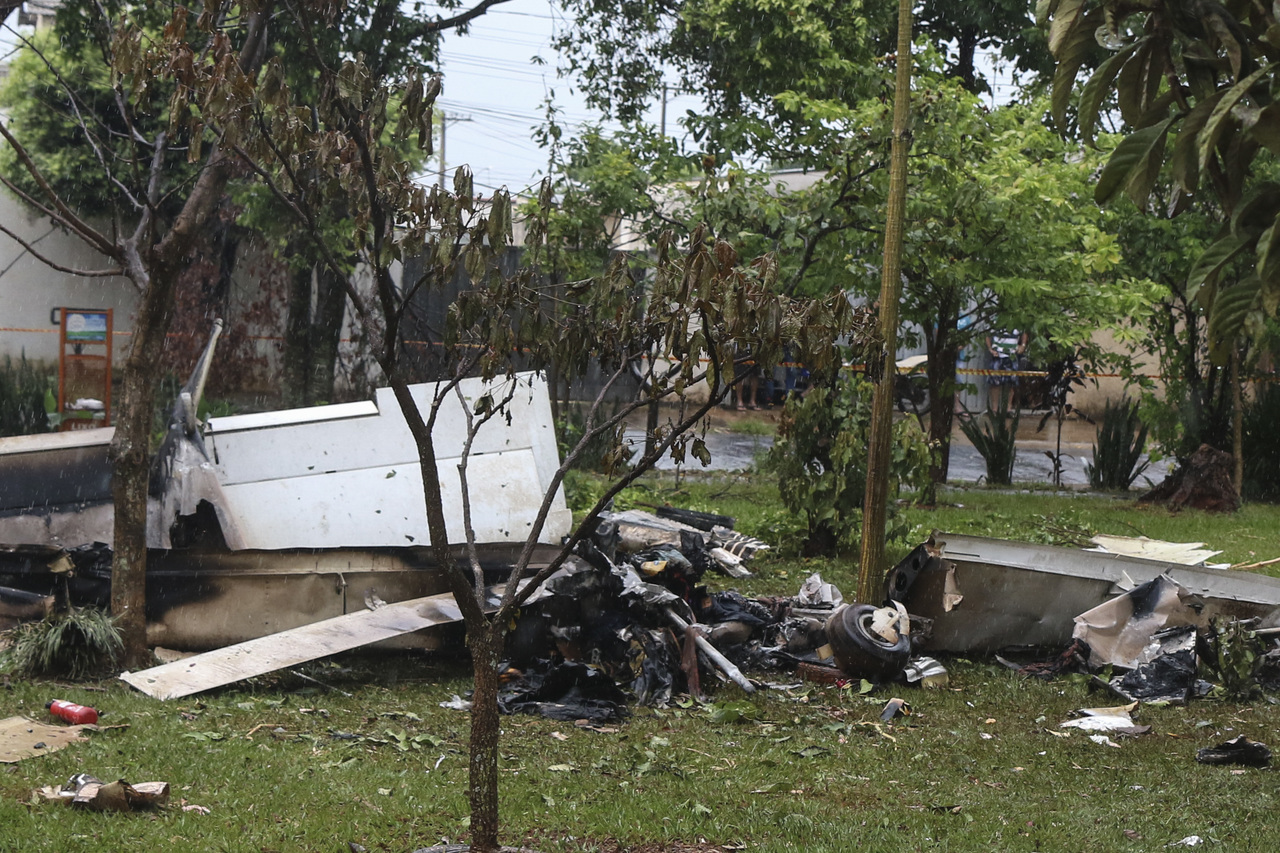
751, 426
816, 771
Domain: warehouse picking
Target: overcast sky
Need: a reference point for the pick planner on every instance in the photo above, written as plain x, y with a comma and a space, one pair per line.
494, 94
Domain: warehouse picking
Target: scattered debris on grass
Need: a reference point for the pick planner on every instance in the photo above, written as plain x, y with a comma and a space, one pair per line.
89, 792
631, 607
21, 738
1238, 750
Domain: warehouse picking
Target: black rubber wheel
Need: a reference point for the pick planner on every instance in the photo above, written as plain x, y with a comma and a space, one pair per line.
861, 652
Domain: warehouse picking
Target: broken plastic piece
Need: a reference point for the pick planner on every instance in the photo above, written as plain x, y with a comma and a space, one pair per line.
895, 707
1166, 671
815, 592
926, 672
1189, 841
85, 791
1238, 750
1119, 630
1117, 720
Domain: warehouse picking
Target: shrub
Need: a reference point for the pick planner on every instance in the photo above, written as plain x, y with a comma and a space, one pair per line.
607, 453
1261, 450
81, 643
994, 438
1116, 454
23, 388
820, 459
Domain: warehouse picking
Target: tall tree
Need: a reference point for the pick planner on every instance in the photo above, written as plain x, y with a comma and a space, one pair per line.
158, 137
209, 58
1001, 234
700, 306
1195, 86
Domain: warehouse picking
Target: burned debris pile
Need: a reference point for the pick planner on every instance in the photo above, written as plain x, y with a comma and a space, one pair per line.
1144, 629
631, 610
1157, 644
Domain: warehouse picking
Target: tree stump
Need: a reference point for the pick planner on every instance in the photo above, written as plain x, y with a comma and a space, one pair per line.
1204, 482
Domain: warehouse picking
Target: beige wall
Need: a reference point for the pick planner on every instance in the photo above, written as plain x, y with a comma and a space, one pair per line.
1092, 398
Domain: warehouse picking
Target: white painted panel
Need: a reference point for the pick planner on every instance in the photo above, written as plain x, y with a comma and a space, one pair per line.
285, 417
248, 451
356, 482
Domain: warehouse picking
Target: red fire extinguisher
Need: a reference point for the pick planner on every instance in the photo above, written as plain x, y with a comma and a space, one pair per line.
71, 712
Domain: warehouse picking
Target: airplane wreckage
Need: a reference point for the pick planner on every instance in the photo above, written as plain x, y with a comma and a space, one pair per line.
280, 537
265, 522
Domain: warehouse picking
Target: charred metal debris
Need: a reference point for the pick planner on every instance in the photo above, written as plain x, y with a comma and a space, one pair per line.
1149, 630
629, 616
632, 605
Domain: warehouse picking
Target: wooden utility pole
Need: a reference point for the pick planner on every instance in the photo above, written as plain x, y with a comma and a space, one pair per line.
875, 505
445, 119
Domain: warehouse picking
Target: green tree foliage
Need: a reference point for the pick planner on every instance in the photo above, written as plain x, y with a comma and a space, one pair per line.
820, 459
739, 54
1191, 404
1195, 86
1006, 26
1000, 234
1000, 228
59, 99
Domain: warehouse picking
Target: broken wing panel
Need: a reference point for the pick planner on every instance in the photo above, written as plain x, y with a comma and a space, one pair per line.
384, 506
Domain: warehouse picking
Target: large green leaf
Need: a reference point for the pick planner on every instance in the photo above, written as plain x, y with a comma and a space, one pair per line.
1219, 22
1212, 261
1044, 8
1071, 56
1257, 211
1134, 160
1065, 16
1266, 130
1269, 252
1218, 118
1096, 89
1226, 320
1131, 83
1184, 164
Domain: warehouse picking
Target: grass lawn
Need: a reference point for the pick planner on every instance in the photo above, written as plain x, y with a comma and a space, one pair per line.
283, 765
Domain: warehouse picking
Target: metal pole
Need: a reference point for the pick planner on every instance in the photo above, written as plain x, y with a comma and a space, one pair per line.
444, 123
875, 505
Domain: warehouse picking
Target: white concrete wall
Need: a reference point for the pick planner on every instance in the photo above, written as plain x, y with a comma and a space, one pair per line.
29, 289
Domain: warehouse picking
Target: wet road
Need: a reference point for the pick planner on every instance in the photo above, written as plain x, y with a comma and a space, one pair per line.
732, 451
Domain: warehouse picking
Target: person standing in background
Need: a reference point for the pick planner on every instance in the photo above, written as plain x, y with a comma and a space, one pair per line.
1006, 348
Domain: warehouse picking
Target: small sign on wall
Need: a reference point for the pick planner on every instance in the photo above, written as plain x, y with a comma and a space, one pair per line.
87, 326
84, 369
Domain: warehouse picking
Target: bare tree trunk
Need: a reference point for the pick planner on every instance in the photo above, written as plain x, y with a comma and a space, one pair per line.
875, 505
941, 370
131, 457
296, 360
326, 335
483, 746
1237, 424
154, 264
